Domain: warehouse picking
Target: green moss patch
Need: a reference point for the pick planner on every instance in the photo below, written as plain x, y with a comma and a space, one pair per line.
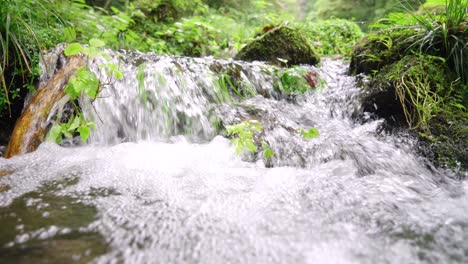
381, 48
278, 45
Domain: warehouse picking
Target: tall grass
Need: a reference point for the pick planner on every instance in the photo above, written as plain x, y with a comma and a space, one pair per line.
26, 27
445, 34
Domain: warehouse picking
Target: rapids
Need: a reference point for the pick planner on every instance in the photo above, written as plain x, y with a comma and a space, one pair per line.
157, 184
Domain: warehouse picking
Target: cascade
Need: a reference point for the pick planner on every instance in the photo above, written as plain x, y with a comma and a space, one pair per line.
159, 181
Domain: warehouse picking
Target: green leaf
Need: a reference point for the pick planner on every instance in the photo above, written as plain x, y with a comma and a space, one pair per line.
69, 34
250, 145
96, 43
70, 89
310, 134
114, 70
268, 153
84, 131
73, 49
67, 133
74, 124
92, 51
55, 134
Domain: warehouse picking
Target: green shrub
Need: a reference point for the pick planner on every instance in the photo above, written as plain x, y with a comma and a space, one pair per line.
440, 28
243, 135
334, 36
26, 28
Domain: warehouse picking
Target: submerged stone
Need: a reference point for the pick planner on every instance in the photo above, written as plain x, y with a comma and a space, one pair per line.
280, 44
43, 227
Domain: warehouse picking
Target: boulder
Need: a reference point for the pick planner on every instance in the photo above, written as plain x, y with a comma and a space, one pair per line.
280, 44
380, 49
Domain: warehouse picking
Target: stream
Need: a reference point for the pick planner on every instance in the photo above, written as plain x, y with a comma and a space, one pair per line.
159, 183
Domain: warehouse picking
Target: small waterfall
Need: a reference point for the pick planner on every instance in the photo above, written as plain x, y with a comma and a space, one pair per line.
162, 97
159, 181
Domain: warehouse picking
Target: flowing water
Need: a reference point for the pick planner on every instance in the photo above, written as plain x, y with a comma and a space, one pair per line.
158, 183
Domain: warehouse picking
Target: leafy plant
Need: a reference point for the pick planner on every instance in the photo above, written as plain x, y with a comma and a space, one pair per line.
76, 125
309, 133
242, 135
83, 82
268, 152
230, 86
333, 36
292, 81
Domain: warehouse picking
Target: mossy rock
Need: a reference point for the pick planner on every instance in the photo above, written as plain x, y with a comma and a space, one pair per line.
395, 84
280, 43
381, 48
440, 124
447, 143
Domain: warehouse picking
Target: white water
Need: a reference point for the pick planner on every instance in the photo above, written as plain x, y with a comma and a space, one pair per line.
350, 196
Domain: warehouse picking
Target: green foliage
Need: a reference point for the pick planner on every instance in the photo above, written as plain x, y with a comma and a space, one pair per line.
447, 35
362, 11
76, 125
292, 81
86, 23
229, 87
168, 10
309, 133
226, 85
268, 152
26, 27
333, 36
196, 36
83, 81
242, 135
442, 33
382, 48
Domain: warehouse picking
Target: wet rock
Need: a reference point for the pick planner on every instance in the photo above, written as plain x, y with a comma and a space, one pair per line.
4, 188
278, 45
415, 92
447, 144
380, 99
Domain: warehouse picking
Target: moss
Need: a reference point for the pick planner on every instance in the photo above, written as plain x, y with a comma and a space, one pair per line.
408, 91
281, 43
416, 92
381, 48
447, 144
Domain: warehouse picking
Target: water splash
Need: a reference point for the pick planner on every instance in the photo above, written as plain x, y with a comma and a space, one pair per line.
352, 195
